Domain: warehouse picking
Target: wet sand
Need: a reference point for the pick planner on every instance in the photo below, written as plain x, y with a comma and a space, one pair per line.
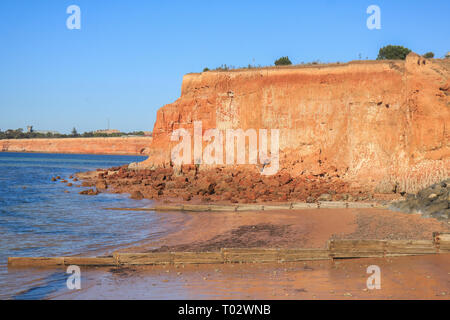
418, 277
210, 231
412, 277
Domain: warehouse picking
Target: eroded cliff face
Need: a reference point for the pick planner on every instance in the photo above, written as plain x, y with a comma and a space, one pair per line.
112, 146
383, 125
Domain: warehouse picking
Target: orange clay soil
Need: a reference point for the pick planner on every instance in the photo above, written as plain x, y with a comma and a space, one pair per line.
210, 231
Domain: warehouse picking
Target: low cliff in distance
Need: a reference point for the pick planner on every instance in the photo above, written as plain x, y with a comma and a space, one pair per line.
111, 146
382, 125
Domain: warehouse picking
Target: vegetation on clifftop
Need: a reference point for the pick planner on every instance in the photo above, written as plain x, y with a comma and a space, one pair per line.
391, 52
19, 134
283, 61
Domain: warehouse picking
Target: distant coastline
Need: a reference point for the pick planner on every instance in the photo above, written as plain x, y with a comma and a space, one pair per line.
99, 145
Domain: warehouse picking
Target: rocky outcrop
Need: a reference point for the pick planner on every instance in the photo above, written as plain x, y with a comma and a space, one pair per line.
433, 201
113, 146
221, 185
378, 125
89, 192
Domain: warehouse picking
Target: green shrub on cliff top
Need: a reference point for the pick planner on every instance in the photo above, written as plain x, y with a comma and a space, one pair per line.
391, 52
283, 61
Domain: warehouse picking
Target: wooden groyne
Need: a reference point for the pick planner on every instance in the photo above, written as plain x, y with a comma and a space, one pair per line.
335, 249
257, 207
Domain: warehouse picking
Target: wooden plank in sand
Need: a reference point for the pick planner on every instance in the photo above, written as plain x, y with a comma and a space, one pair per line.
197, 257
150, 258
336, 249
304, 205
442, 241
250, 207
356, 248
224, 208
90, 261
292, 255
271, 207
360, 205
253, 255
169, 208
409, 247
332, 204
196, 207
35, 262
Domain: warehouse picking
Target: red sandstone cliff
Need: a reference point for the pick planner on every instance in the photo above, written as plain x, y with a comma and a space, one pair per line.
378, 124
113, 146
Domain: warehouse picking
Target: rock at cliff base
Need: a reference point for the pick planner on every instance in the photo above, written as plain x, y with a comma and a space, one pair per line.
187, 197
211, 188
325, 197
101, 184
433, 201
89, 192
136, 195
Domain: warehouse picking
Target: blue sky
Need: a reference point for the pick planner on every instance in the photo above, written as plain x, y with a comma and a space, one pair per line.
129, 57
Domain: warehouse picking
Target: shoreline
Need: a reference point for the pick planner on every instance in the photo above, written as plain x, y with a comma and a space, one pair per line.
278, 227
210, 230
319, 279
257, 224
75, 153
96, 146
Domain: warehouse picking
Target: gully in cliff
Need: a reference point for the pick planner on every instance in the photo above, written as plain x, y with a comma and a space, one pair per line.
213, 152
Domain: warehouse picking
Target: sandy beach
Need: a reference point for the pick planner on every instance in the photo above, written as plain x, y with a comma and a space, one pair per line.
210, 231
420, 277
411, 277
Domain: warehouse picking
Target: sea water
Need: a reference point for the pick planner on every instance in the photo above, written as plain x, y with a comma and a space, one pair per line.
38, 218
